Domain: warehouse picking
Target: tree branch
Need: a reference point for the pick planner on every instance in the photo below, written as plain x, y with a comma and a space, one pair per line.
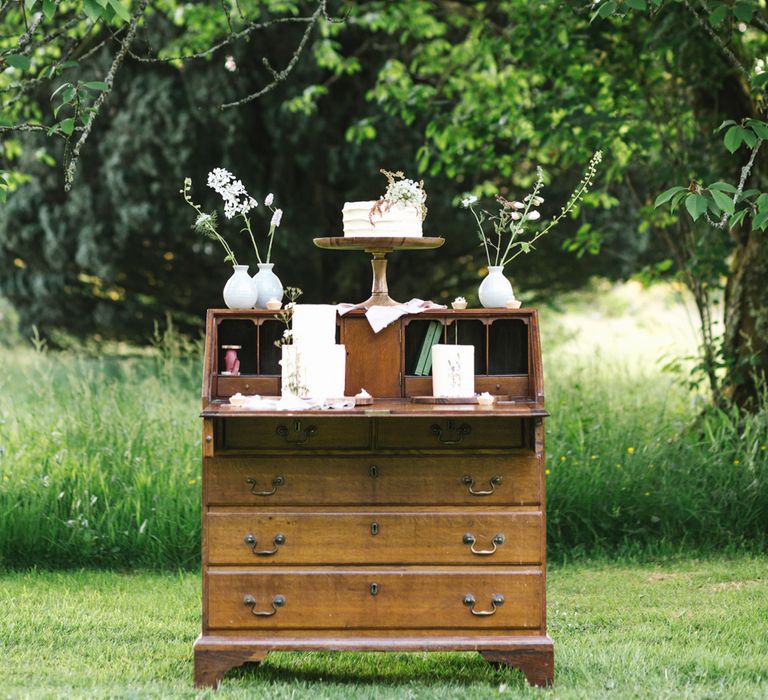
71, 167
735, 62
250, 28
279, 77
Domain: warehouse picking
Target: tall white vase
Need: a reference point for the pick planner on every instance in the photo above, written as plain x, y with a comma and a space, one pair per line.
268, 285
240, 291
495, 290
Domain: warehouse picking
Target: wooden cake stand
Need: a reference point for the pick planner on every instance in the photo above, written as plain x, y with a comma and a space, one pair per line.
379, 247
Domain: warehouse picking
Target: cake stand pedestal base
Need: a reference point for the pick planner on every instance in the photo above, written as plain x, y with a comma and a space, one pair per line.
379, 247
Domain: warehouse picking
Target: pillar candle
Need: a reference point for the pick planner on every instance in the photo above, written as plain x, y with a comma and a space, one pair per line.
314, 325
453, 370
317, 373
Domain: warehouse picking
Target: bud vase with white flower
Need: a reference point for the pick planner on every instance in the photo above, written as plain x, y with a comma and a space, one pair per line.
265, 285
513, 233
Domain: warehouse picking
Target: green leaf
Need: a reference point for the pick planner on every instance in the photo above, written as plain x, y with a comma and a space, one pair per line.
97, 85
723, 201
762, 201
761, 220
67, 125
20, 62
749, 138
673, 204
636, 4
759, 80
743, 11
59, 89
733, 138
760, 128
737, 218
696, 204
723, 187
120, 10
718, 15
49, 9
666, 195
93, 10
604, 10
29, 5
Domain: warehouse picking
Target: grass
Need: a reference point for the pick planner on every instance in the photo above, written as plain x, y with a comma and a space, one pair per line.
100, 465
685, 629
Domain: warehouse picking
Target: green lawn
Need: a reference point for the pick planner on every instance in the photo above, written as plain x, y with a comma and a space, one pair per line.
682, 629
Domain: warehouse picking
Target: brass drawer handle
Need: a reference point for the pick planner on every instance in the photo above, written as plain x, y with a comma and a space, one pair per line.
470, 482
457, 431
496, 601
276, 482
277, 540
469, 539
299, 437
277, 602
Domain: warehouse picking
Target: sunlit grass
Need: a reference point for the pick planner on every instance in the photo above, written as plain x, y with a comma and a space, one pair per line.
100, 458
684, 629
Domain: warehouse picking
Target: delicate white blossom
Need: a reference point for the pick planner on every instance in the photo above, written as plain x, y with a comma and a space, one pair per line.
287, 333
406, 192
230, 64
518, 205
533, 215
515, 216
536, 201
269, 199
276, 217
468, 201
232, 191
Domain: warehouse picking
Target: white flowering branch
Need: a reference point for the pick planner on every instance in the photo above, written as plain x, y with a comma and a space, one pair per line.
279, 76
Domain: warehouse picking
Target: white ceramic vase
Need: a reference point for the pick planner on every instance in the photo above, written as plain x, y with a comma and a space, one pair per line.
268, 285
240, 291
495, 290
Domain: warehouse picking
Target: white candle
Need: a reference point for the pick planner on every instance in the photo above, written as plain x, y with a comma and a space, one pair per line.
317, 372
314, 325
453, 370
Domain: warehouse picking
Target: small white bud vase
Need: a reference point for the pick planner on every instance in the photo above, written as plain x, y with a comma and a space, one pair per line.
240, 291
268, 285
495, 290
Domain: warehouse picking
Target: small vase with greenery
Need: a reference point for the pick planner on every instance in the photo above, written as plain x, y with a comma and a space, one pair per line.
515, 230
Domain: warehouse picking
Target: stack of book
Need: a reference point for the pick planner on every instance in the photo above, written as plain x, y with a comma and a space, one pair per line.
432, 337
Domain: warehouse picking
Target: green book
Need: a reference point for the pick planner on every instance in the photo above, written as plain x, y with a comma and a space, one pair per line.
435, 340
425, 355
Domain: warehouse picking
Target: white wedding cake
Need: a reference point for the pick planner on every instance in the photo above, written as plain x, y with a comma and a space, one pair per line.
398, 213
365, 219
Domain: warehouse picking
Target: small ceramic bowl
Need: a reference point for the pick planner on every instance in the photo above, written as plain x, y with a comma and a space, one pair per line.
274, 304
459, 305
513, 304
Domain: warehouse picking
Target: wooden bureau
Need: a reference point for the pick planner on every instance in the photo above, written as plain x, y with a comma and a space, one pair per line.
394, 527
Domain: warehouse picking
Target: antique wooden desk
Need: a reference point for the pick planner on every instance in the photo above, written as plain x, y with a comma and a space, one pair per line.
393, 527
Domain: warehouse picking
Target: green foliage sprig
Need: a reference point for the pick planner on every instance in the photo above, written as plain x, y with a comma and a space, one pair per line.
286, 316
512, 235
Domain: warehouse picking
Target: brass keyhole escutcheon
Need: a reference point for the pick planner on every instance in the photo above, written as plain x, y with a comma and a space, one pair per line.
373, 471
374, 588
374, 528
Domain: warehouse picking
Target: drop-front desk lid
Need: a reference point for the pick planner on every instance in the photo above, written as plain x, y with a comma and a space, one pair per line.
387, 407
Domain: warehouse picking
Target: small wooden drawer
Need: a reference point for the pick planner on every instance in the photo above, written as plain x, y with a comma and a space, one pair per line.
265, 385
304, 434
465, 480
375, 599
374, 537
457, 433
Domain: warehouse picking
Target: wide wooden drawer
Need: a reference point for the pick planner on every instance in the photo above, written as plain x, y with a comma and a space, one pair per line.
318, 481
455, 433
279, 434
375, 537
375, 599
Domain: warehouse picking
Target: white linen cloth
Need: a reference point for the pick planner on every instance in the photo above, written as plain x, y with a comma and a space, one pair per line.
381, 316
